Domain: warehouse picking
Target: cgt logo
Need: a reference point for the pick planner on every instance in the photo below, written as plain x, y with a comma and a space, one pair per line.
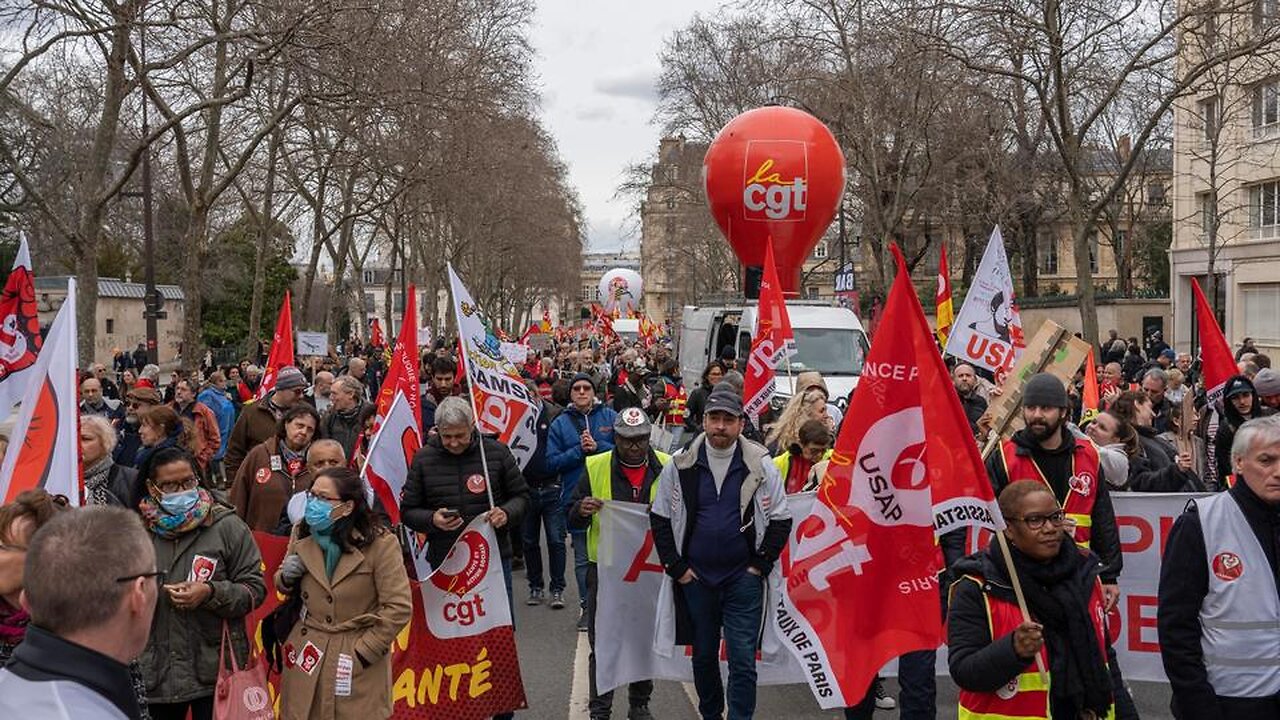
775, 183
465, 566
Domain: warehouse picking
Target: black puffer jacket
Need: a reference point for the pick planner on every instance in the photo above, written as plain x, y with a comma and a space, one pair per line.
1155, 467
439, 479
1230, 421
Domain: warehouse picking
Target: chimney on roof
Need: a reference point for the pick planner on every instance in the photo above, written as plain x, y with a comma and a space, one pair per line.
1124, 148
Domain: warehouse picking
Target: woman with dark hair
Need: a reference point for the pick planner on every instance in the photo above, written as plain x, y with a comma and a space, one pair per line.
711, 376
275, 470
211, 578
993, 651
355, 592
1157, 466
160, 427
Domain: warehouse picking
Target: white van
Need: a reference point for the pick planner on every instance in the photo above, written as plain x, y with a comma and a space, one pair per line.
829, 339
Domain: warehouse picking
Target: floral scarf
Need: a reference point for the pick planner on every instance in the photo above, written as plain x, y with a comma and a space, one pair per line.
172, 526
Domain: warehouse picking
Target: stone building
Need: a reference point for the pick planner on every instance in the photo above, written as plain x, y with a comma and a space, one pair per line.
120, 324
1226, 196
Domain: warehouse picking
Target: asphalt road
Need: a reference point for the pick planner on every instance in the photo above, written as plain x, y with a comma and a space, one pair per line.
553, 662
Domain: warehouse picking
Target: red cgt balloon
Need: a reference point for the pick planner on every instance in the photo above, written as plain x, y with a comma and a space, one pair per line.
774, 172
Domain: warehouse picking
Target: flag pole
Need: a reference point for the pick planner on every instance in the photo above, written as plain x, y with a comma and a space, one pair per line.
475, 414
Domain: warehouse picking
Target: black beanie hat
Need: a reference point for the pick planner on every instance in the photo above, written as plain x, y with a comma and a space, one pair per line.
1045, 390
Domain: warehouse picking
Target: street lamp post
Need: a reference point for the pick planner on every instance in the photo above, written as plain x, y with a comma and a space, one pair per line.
152, 301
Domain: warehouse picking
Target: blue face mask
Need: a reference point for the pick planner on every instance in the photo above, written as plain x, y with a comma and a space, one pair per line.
179, 503
319, 514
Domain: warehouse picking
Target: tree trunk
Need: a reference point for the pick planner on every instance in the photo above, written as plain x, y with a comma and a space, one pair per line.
89, 224
1084, 279
317, 241
1030, 256
266, 228
193, 241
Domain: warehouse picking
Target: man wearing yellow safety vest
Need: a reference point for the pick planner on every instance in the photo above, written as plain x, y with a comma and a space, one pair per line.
1218, 615
797, 462
628, 473
1047, 451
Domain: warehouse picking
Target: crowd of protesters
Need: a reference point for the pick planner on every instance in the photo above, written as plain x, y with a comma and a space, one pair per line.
181, 472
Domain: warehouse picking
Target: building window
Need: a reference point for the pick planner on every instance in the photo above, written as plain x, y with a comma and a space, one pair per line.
1264, 206
1206, 212
1093, 253
370, 302
1209, 117
1266, 103
1122, 237
368, 277
1265, 13
1048, 254
1156, 194
111, 326
588, 292
820, 251
811, 292
1261, 310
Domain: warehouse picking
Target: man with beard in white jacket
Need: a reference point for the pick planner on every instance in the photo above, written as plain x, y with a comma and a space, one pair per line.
719, 520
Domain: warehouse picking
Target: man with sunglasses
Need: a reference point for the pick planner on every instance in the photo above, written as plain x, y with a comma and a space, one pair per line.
91, 614
138, 399
583, 429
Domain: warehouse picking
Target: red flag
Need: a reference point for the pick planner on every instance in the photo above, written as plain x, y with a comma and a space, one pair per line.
1215, 354
402, 374
861, 569
281, 354
945, 317
1090, 395
773, 342
375, 335
20, 339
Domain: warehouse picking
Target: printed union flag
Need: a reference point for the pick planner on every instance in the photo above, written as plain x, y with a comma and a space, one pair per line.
402, 373
772, 344
44, 447
505, 406
19, 330
862, 567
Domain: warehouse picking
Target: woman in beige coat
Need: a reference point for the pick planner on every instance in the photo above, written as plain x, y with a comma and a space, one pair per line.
350, 573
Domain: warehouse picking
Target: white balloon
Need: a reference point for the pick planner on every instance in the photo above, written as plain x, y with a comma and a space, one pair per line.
620, 290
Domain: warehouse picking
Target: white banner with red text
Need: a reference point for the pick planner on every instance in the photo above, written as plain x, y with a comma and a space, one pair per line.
630, 576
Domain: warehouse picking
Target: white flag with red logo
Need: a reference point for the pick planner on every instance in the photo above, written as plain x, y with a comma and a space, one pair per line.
19, 330
988, 331
386, 467
504, 404
44, 447
281, 354
772, 344
402, 374
862, 569
468, 619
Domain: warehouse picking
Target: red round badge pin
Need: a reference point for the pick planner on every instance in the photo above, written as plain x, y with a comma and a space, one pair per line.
1227, 566
262, 475
475, 483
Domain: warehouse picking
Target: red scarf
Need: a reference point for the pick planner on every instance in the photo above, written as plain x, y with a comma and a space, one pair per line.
13, 624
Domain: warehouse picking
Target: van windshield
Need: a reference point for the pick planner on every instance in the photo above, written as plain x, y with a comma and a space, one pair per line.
837, 351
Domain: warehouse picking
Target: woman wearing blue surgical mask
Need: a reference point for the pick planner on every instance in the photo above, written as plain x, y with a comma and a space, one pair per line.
349, 571
210, 577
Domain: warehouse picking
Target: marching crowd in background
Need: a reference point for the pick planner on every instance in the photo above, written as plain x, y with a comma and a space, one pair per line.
178, 474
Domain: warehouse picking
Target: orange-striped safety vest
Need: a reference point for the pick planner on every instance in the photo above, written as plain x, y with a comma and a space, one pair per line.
1082, 486
1026, 696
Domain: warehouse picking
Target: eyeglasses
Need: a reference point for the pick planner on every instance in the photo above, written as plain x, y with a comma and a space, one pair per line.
157, 574
311, 494
190, 483
583, 388
1036, 522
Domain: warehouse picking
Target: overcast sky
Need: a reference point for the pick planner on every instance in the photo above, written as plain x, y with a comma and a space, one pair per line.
597, 65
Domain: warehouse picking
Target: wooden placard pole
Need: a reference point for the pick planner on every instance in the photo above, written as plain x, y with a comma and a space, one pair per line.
1051, 349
